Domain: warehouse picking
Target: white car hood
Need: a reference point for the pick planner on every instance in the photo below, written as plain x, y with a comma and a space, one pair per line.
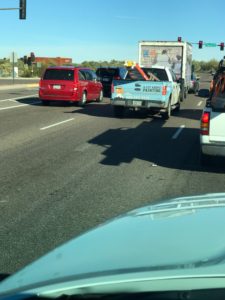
183, 236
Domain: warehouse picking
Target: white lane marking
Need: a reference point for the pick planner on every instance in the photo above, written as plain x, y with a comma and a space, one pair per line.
17, 98
20, 105
56, 124
177, 133
14, 106
200, 103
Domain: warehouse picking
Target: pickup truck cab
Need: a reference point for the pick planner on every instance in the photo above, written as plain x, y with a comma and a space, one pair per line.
154, 89
212, 131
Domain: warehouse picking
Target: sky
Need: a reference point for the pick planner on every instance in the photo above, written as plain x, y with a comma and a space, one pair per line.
101, 30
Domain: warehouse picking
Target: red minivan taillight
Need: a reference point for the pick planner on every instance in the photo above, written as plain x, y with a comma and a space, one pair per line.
205, 123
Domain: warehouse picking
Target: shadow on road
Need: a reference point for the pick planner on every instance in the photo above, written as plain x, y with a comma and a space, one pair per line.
35, 101
152, 142
105, 110
204, 93
193, 114
29, 101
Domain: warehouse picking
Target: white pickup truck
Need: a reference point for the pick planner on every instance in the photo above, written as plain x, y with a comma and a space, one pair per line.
212, 131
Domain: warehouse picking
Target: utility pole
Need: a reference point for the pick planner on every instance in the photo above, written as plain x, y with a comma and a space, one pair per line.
13, 60
13, 63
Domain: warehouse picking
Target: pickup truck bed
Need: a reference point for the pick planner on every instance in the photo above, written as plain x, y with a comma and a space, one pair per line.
212, 133
158, 96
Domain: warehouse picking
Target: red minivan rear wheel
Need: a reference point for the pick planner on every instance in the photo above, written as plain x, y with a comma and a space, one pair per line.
83, 100
100, 98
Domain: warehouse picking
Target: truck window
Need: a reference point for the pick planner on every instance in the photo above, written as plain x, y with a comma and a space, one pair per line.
133, 74
160, 73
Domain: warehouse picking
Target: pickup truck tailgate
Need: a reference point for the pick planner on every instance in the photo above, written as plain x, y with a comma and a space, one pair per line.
217, 126
141, 90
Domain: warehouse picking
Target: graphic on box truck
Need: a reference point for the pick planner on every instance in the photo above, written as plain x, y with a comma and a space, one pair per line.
168, 56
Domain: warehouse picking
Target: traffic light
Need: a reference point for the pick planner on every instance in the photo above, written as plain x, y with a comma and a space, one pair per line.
179, 39
29, 62
22, 9
32, 56
25, 59
221, 46
200, 43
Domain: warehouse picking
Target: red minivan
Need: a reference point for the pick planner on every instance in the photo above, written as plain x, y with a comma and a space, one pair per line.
68, 83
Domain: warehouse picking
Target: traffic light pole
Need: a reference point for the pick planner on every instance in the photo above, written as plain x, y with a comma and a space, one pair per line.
22, 9
11, 8
13, 63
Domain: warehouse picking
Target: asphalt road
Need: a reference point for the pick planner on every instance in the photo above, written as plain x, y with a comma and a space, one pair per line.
65, 169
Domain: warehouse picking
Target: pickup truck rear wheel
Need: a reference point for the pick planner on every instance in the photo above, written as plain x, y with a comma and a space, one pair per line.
118, 111
166, 115
177, 108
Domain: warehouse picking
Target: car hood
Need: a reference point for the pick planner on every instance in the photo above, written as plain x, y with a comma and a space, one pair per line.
179, 238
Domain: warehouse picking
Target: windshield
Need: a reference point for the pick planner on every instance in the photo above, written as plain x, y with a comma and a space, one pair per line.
107, 108
57, 74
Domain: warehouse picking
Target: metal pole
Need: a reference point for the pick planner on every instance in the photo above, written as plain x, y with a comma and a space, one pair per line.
12, 8
13, 54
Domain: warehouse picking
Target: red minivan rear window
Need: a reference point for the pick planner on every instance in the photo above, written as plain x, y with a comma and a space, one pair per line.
58, 74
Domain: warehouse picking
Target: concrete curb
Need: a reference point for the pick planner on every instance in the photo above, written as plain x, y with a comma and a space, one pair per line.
18, 86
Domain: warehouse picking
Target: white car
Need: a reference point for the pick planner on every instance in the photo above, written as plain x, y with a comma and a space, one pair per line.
168, 250
212, 132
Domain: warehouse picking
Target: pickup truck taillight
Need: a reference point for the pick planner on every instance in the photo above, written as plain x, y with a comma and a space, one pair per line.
205, 123
164, 90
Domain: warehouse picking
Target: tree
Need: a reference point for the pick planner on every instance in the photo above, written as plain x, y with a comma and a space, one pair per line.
205, 65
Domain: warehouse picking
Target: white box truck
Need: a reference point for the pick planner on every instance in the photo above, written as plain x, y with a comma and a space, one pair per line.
175, 55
